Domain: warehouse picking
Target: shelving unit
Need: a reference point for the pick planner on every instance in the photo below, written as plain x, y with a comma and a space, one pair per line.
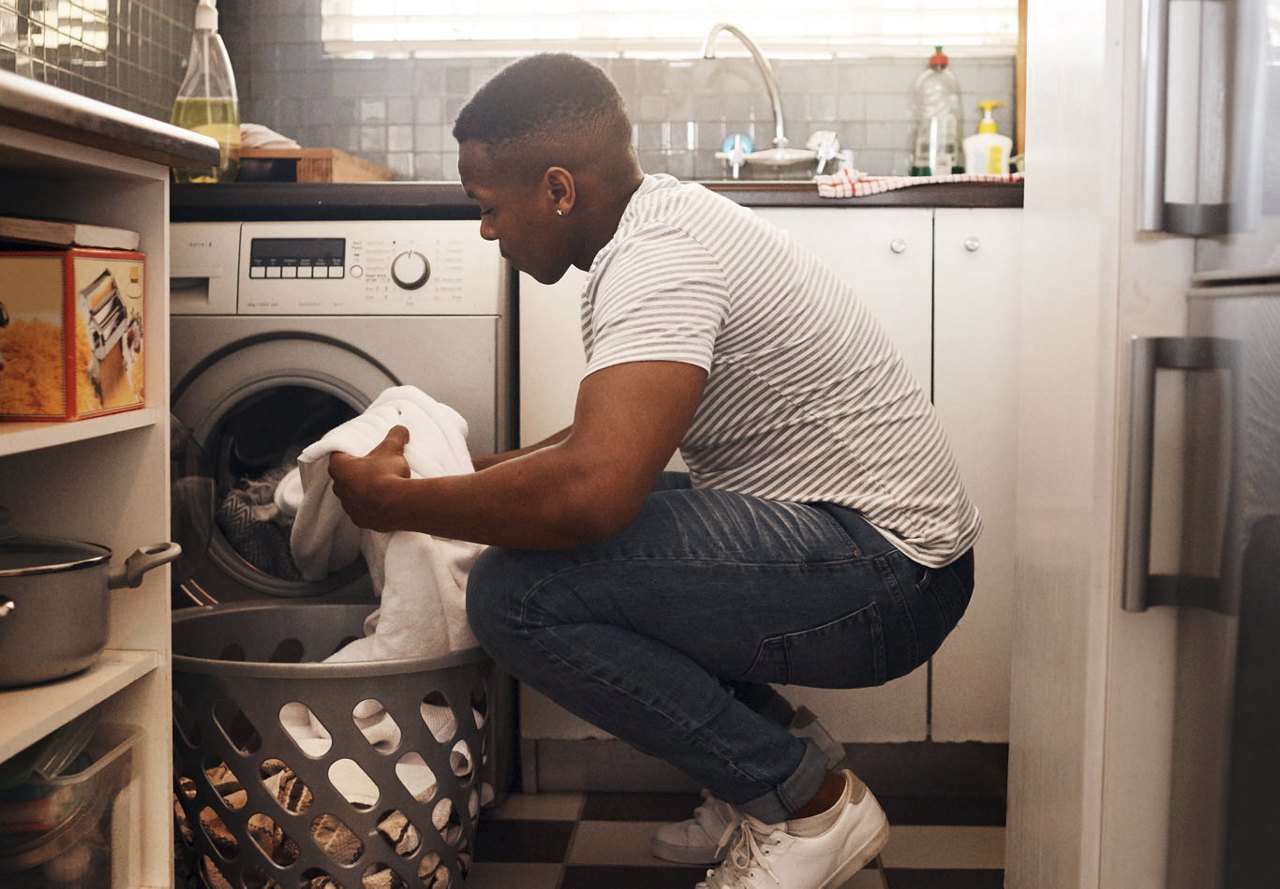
31, 713
19, 438
104, 479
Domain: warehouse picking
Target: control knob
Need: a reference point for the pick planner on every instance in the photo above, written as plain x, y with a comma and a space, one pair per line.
410, 270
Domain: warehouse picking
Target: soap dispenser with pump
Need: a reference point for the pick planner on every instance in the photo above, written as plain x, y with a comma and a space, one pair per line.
987, 151
207, 102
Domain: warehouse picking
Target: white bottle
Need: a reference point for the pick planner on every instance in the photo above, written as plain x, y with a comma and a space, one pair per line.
987, 151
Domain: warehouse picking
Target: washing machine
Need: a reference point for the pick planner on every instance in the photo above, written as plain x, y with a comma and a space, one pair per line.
281, 331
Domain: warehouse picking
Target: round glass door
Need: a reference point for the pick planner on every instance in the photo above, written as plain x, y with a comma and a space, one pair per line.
242, 424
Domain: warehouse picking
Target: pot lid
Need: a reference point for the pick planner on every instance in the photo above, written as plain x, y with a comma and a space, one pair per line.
22, 554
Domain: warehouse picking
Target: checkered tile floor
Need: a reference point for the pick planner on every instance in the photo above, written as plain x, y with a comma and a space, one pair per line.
601, 841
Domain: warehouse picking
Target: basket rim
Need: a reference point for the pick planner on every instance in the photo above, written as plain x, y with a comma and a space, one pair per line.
184, 663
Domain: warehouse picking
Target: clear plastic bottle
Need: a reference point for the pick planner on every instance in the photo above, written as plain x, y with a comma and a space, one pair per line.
207, 101
937, 105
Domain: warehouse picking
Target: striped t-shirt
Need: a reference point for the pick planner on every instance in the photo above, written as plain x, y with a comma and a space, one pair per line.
806, 399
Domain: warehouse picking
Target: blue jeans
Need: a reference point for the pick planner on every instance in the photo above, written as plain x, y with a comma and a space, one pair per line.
664, 633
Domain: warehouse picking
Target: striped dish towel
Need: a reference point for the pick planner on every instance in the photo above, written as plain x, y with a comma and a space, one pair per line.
857, 184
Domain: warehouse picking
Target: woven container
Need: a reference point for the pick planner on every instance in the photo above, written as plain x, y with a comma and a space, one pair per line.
296, 773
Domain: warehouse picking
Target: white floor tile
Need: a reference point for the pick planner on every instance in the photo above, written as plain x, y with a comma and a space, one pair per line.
945, 847
541, 807
867, 878
622, 843
500, 875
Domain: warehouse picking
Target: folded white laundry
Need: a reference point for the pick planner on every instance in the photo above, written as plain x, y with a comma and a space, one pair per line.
255, 135
420, 578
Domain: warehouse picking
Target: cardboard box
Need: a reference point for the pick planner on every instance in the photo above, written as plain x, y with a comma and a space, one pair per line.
70, 333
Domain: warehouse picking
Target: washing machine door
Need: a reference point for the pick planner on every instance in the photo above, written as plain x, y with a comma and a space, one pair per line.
241, 418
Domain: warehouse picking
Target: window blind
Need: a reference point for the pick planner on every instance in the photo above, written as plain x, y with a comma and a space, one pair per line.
662, 28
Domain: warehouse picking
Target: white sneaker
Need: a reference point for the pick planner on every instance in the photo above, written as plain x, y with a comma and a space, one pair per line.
766, 856
698, 840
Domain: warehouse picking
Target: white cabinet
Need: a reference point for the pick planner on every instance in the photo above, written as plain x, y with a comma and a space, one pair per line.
885, 255
977, 272
944, 284
105, 479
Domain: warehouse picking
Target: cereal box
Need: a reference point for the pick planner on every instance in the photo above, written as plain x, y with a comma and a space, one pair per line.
70, 333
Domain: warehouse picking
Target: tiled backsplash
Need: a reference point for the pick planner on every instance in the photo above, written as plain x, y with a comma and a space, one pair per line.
398, 113
130, 53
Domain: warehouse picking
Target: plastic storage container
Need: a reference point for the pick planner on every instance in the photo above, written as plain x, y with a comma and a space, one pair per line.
939, 120
294, 771
56, 833
207, 101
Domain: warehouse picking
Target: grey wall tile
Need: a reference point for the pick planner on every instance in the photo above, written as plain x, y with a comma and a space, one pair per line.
140, 69
400, 111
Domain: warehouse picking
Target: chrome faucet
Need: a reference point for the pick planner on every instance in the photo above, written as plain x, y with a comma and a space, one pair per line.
770, 82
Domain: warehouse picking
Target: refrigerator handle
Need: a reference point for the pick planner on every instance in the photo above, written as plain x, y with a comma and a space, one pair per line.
1154, 98
1139, 589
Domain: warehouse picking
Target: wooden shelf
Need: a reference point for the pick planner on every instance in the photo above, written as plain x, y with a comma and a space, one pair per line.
31, 713
21, 437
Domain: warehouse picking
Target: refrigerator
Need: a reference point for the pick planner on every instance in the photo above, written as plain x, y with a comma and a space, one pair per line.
1201, 532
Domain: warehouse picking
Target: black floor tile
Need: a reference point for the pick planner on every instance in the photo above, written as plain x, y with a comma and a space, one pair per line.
911, 878
632, 877
639, 806
531, 841
944, 811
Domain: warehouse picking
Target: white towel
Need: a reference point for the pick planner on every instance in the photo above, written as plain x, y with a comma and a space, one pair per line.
420, 578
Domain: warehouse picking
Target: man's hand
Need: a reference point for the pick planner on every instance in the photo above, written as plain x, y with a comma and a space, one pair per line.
364, 484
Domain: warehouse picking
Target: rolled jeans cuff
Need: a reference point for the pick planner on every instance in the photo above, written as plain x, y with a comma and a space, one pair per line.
778, 804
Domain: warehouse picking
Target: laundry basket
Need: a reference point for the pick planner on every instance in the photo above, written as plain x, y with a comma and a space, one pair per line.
294, 773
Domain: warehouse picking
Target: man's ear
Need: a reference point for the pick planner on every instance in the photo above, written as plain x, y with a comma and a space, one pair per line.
560, 189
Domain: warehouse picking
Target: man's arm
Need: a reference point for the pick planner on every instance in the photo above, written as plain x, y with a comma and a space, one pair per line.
486, 461
628, 420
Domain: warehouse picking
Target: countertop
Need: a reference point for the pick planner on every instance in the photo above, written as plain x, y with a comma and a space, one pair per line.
36, 107
445, 200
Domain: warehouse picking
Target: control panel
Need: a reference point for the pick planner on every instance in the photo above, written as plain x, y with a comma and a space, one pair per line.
357, 267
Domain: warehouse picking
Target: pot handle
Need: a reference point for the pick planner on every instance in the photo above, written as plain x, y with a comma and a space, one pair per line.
142, 560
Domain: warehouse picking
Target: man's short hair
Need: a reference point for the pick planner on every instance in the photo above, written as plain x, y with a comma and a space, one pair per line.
545, 100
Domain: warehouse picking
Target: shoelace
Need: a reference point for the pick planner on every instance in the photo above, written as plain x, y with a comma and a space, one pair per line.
745, 855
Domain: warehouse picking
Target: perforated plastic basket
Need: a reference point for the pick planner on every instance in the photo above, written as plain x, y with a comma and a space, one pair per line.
295, 773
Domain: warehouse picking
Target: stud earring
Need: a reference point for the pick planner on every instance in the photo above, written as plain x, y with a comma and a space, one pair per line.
559, 212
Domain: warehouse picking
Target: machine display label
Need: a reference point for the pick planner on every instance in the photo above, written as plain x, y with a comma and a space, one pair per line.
297, 257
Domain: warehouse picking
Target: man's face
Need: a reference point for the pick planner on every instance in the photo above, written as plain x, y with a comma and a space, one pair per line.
520, 216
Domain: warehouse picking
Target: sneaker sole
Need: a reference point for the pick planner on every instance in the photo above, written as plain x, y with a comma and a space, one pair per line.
685, 854
864, 856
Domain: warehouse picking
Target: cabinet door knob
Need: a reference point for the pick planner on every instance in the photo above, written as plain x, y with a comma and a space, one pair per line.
898, 245
972, 244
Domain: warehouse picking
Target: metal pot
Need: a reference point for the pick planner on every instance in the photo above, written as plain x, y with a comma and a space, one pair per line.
55, 598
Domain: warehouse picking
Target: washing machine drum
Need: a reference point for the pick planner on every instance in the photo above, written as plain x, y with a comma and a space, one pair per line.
240, 420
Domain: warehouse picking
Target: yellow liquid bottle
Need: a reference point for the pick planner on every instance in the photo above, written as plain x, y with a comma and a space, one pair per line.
207, 102
219, 118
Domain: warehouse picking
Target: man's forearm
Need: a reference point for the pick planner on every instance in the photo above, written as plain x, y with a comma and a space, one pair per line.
543, 501
488, 460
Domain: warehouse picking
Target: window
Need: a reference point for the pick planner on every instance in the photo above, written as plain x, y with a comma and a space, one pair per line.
659, 28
